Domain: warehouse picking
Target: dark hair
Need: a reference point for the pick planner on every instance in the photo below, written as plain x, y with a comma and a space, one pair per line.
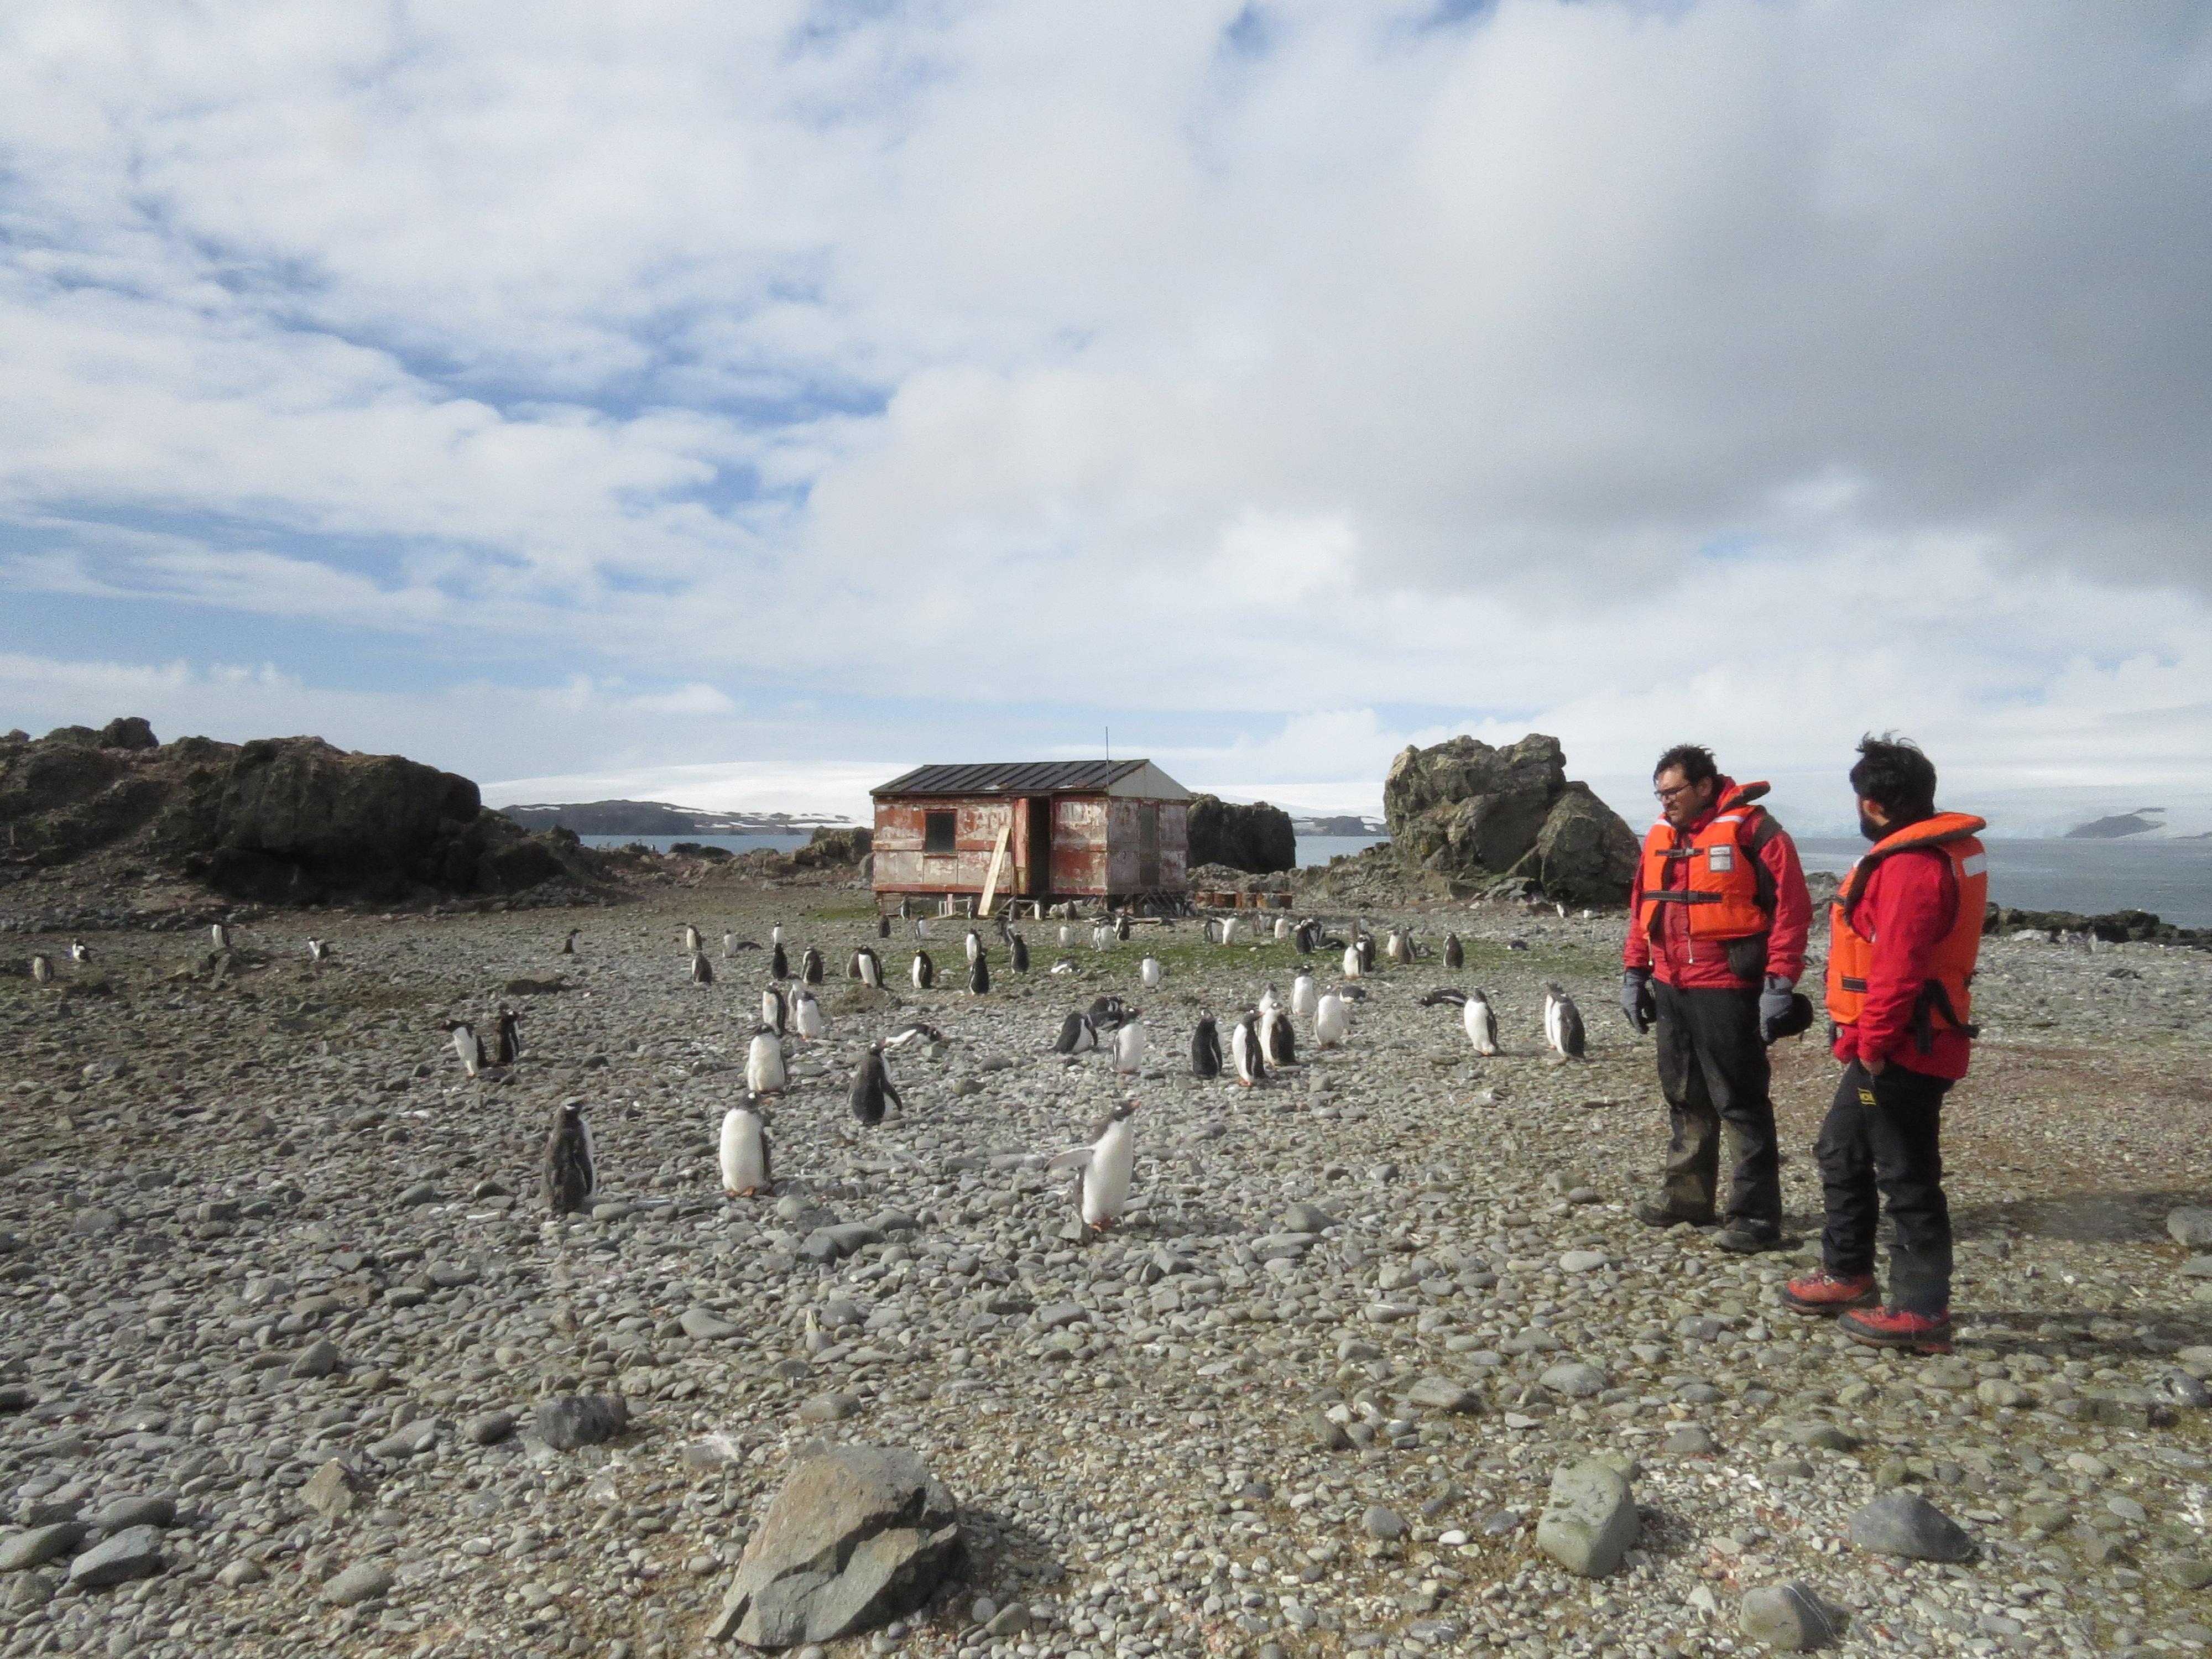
1695, 762
1896, 776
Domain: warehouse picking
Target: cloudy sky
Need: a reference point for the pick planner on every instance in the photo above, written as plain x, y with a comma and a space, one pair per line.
735, 403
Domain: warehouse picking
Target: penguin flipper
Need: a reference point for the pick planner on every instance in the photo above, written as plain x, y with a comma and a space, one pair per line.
1075, 1157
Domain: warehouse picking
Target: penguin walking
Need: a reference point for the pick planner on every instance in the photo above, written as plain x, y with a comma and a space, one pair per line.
809, 966
42, 969
690, 939
1474, 1014
743, 1154
924, 972
1018, 952
1230, 932
1276, 1041
868, 968
1129, 1046
1353, 961
1210, 930
871, 1087
1109, 1013
973, 945
921, 927
703, 971
779, 964
1454, 952
979, 974
570, 1171
317, 951
468, 1049
1304, 995
510, 1036
1332, 1021
774, 1010
1205, 1047
79, 951
1246, 1050
1078, 1035
1563, 1022
220, 934
1148, 972
764, 1074
569, 945
806, 1015
1107, 1163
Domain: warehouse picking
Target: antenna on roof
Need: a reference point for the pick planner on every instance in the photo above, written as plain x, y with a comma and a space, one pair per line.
1109, 743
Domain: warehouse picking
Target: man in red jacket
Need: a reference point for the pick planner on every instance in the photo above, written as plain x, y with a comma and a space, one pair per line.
1904, 939
1717, 917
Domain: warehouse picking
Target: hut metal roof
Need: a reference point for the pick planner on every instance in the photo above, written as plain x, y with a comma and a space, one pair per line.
1019, 778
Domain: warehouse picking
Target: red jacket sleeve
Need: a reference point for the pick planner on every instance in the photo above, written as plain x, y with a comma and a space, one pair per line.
1636, 952
1911, 900
1793, 908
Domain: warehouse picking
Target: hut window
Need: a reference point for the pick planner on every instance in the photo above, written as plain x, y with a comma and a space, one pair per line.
939, 832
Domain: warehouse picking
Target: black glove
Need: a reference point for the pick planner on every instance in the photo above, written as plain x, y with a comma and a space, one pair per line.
1776, 1005
1637, 1000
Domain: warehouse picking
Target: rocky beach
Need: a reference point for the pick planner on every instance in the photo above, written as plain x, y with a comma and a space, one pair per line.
1377, 1362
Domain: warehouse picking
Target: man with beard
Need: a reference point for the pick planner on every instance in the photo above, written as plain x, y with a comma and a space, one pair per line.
1904, 938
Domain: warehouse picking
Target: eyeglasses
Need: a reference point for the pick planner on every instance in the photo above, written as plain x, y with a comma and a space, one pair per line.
1666, 796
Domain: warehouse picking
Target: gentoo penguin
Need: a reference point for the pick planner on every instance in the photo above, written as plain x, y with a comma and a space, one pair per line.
973, 943
1078, 1035
744, 1156
809, 966
1018, 952
1148, 972
1282, 928
220, 934
775, 935
1106, 1163
318, 951
1205, 1049
570, 1172
764, 1063
1229, 931
1365, 946
1562, 910
79, 952
1352, 960
42, 970
703, 971
1275, 1039
1304, 995
921, 927
1121, 928
569, 945
1065, 965
1244, 1048
1129, 1046
510, 1036
1102, 935
882, 927
806, 1014
774, 1009
1209, 931
729, 944
469, 1050
1067, 936
690, 939
1474, 1014
914, 1033
1332, 1021
779, 964
1563, 1022
1306, 936
979, 974
1401, 946
871, 1087
1108, 1012
924, 972
866, 968
1454, 952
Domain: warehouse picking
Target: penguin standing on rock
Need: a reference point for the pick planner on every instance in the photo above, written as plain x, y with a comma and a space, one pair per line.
924, 971
973, 945
1474, 1014
318, 951
1067, 936
1121, 928
1245, 1048
1129, 1046
1303, 996
1078, 1035
871, 1087
774, 1010
690, 939
743, 1154
809, 966
729, 944
1563, 1022
1332, 1021
510, 1036
1205, 1047
1018, 952
1454, 952
979, 973
220, 934
806, 1014
764, 1074
570, 1171
779, 965
79, 951
882, 927
1276, 1041
1353, 961
468, 1049
703, 971
1282, 928
865, 968
776, 934
569, 945
1148, 971
1107, 1163
42, 969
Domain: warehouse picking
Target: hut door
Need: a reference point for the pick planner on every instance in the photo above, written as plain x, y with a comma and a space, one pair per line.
1148, 845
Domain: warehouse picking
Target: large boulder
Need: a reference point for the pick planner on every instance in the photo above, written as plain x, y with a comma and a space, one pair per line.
1257, 839
1480, 814
857, 1537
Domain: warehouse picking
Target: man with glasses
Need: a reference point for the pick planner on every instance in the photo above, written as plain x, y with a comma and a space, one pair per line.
1719, 917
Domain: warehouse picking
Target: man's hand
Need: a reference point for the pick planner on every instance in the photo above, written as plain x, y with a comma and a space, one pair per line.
1773, 1006
1638, 999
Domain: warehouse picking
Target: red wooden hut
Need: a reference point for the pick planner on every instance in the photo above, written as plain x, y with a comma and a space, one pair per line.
1110, 831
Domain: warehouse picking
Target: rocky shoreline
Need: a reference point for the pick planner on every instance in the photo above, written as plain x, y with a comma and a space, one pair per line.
281, 1308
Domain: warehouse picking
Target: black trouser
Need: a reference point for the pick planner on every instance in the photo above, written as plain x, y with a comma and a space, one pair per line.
1712, 1069
1882, 1138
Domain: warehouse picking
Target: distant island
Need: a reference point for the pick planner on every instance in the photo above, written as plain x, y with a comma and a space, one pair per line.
1341, 826
2142, 821
656, 817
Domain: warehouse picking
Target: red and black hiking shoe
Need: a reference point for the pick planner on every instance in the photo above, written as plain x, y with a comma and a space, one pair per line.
1893, 1328
1823, 1293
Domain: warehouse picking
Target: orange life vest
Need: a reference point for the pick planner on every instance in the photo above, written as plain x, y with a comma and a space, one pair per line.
1727, 889
1946, 1000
